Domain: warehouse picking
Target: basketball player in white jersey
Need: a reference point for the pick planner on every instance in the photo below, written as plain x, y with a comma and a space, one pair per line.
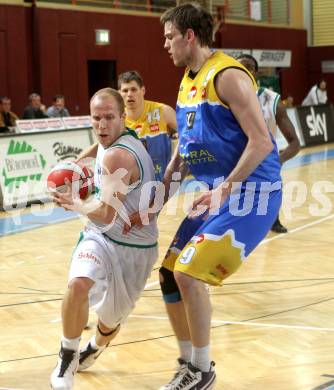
275, 115
109, 269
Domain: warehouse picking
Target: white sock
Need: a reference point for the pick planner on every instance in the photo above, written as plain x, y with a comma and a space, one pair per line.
200, 358
185, 349
93, 342
72, 344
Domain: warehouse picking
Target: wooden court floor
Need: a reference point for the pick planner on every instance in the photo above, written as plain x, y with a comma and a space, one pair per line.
273, 321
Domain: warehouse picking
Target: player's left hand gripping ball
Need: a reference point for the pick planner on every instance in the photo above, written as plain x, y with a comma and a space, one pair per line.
80, 177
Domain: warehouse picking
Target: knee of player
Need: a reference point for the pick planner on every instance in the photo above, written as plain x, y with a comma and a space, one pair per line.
106, 331
79, 287
189, 286
169, 287
184, 281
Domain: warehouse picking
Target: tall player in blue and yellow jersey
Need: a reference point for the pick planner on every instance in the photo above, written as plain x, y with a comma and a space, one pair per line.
154, 122
224, 141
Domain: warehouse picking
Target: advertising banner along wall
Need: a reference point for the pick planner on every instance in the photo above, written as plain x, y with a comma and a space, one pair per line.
26, 161
316, 124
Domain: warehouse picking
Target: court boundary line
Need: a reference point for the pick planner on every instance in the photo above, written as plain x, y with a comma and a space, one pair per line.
244, 323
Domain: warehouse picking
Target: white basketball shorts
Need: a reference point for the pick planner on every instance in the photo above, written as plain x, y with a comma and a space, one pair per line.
119, 272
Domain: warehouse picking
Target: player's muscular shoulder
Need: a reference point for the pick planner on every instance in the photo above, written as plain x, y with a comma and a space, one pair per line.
119, 159
233, 85
169, 116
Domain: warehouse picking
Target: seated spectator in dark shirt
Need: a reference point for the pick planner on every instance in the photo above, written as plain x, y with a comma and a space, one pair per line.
7, 117
35, 109
58, 110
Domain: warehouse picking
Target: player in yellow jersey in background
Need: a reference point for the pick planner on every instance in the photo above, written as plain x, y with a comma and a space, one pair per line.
154, 123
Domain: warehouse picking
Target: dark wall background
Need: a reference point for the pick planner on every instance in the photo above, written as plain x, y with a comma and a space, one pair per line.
294, 80
55, 61
314, 57
67, 42
15, 69
47, 51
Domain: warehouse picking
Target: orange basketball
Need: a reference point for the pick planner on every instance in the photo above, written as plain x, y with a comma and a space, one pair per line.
81, 178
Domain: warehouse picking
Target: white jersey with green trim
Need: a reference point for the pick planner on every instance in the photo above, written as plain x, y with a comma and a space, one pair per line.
268, 102
138, 195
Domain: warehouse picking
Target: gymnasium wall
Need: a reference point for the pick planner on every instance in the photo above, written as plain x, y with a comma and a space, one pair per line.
56, 60
293, 80
15, 48
67, 42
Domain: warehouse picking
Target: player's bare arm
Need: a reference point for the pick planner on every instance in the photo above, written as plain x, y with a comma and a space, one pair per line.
176, 165
89, 152
170, 118
235, 88
285, 125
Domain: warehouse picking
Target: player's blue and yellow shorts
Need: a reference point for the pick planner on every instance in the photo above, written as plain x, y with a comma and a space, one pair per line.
213, 248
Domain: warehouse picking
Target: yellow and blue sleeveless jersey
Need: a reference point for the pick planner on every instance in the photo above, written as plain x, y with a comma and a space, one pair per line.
152, 130
211, 139
212, 247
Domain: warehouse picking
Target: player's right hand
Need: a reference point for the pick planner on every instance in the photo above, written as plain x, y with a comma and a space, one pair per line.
135, 220
139, 219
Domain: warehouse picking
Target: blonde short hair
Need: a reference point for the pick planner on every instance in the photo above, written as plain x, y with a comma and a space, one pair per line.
107, 92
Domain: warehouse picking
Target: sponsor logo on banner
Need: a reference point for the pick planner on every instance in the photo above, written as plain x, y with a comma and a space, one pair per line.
22, 163
25, 125
84, 121
277, 56
72, 122
55, 123
63, 152
236, 52
317, 124
273, 58
40, 124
